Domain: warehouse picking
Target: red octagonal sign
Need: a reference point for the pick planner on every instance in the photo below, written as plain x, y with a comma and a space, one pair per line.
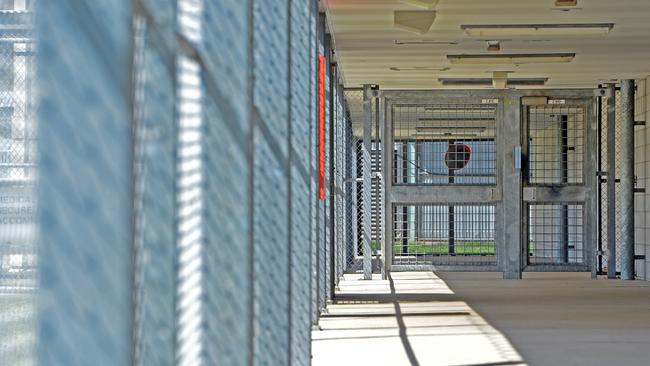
457, 156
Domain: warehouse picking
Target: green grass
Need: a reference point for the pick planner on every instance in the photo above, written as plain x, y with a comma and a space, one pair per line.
463, 248
440, 248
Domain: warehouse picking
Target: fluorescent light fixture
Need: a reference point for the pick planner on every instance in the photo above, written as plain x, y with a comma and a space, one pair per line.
445, 135
524, 30
511, 59
487, 81
450, 129
418, 21
419, 68
425, 4
424, 42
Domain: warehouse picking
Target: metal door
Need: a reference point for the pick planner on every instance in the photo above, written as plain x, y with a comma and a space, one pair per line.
559, 183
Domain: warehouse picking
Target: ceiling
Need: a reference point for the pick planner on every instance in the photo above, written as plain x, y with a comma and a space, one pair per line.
364, 38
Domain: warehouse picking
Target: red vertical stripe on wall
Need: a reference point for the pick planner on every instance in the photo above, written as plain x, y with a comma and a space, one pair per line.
321, 127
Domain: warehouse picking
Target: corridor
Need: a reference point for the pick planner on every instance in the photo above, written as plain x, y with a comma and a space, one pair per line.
420, 318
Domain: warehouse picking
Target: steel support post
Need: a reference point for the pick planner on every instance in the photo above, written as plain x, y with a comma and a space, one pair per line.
367, 182
509, 138
627, 179
611, 182
387, 183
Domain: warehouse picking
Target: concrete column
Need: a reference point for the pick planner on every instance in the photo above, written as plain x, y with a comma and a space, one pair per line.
611, 182
367, 182
627, 179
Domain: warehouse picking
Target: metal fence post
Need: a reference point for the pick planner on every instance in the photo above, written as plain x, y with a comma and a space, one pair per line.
611, 182
511, 206
367, 183
627, 179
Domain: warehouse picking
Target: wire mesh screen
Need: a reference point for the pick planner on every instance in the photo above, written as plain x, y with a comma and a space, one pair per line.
444, 234
359, 193
556, 145
17, 195
444, 144
555, 234
604, 201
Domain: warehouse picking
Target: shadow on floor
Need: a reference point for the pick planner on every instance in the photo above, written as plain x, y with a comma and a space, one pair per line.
413, 318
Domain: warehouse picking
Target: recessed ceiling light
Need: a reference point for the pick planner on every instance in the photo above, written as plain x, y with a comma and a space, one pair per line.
523, 30
425, 4
419, 68
424, 42
414, 21
489, 82
511, 59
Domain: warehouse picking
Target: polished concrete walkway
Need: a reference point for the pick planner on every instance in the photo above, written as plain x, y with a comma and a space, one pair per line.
479, 319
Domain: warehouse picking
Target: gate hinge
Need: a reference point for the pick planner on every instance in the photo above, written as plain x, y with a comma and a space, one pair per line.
602, 92
639, 123
639, 190
639, 256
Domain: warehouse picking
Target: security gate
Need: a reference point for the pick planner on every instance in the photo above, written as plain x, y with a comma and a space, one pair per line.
560, 200
489, 180
442, 180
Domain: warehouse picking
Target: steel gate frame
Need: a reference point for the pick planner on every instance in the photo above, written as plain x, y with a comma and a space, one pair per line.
506, 194
584, 193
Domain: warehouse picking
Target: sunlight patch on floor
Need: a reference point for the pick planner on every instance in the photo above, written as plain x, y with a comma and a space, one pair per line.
437, 329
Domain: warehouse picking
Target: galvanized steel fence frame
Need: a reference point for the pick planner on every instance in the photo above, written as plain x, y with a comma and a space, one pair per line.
211, 185
507, 194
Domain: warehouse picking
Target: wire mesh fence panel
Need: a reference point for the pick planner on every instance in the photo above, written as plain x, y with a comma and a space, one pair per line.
618, 163
556, 145
364, 186
444, 144
436, 234
604, 199
555, 234
340, 169
18, 277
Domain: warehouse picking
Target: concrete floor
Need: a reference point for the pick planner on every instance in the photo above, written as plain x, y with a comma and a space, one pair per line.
564, 319
479, 319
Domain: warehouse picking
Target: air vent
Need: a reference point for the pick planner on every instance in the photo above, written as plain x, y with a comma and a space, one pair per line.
414, 21
424, 4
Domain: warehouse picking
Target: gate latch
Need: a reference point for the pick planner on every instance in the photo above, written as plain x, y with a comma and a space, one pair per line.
518, 157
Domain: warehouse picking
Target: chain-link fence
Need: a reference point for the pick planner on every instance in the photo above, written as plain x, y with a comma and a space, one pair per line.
363, 192
604, 200
17, 178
